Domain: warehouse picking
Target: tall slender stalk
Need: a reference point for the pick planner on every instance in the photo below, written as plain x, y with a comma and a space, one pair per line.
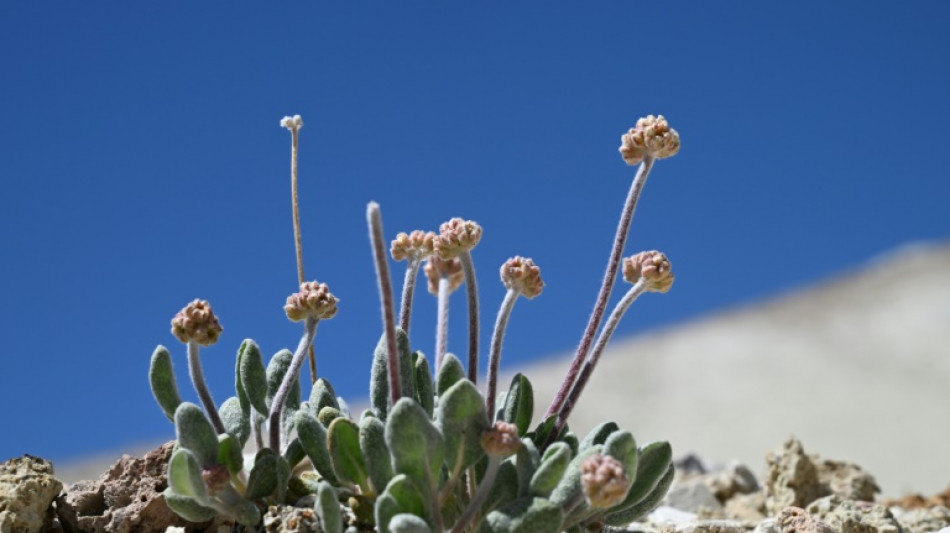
471, 289
375, 221
442, 324
610, 275
280, 397
408, 290
494, 357
198, 380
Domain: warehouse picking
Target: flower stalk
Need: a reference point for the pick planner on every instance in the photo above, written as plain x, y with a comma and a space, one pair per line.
375, 221
198, 380
280, 397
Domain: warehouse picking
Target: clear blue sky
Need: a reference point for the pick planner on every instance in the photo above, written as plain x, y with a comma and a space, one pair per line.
143, 166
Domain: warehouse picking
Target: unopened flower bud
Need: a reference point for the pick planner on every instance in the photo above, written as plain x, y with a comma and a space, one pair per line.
653, 267
216, 477
293, 123
415, 246
314, 299
501, 440
196, 322
603, 481
652, 136
457, 236
523, 276
437, 268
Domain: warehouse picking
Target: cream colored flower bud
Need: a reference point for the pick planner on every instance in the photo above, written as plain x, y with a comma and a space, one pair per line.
603, 481
652, 136
523, 276
457, 236
501, 440
314, 299
196, 322
293, 123
415, 246
437, 268
653, 267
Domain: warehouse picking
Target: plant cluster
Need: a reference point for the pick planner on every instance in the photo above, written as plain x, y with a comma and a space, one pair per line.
431, 453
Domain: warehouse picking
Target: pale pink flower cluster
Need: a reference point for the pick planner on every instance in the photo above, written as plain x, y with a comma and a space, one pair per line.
652, 136
196, 322
314, 300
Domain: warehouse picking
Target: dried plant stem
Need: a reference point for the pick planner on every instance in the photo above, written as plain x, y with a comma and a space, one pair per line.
442, 326
494, 357
198, 380
280, 397
478, 498
298, 238
471, 289
609, 328
375, 221
623, 227
408, 289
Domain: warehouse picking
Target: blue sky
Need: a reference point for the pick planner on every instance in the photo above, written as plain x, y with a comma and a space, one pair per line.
143, 166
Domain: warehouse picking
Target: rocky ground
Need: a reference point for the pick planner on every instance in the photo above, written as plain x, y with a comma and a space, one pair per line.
799, 493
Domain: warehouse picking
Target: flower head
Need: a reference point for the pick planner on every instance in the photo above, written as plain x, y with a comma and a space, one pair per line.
216, 477
603, 481
653, 267
501, 439
293, 123
196, 322
314, 300
652, 136
415, 246
523, 276
457, 236
437, 268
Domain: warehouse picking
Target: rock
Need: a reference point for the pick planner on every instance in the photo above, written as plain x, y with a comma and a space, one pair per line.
792, 479
746, 507
769, 525
692, 496
669, 515
127, 498
923, 520
737, 478
796, 520
713, 526
847, 480
850, 516
27, 489
287, 519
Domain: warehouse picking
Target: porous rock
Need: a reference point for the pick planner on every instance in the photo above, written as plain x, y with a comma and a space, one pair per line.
27, 488
746, 507
288, 519
924, 519
847, 480
736, 478
713, 526
127, 498
692, 496
797, 520
850, 516
792, 479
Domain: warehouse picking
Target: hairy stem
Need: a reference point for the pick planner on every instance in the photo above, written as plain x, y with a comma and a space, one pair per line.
609, 328
280, 397
408, 289
375, 221
471, 289
494, 357
198, 380
298, 238
610, 275
442, 326
480, 494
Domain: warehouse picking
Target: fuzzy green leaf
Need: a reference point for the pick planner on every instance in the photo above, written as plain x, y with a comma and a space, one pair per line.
527, 461
407, 495
461, 418
187, 508
322, 395
525, 515
623, 447
184, 475
238, 386
375, 452
553, 465
276, 369
598, 435
328, 509
327, 415
505, 487
450, 372
253, 376
236, 420
408, 523
161, 377
424, 390
230, 453
653, 462
195, 433
264, 475
343, 440
518, 407
313, 439
644, 506
386, 508
570, 483
379, 373
416, 445
294, 453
